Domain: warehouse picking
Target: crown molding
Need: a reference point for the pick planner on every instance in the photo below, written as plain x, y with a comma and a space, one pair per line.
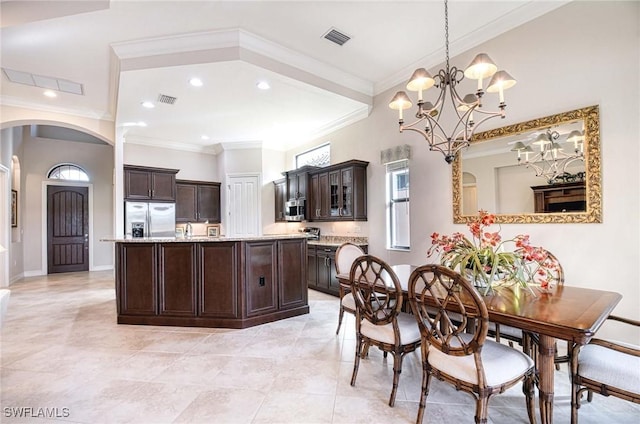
241, 40
166, 144
241, 145
82, 113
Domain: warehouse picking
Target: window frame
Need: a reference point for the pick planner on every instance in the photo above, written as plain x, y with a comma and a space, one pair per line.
69, 166
317, 148
393, 170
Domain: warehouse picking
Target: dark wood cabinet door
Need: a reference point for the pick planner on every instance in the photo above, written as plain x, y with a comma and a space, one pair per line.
324, 267
323, 194
334, 285
136, 279
334, 194
163, 186
146, 183
177, 279
137, 185
292, 186
186, 202
312, 267
218, 276
280, 199
292, 287
346, 193
360, 193
313, 199
321, 269
302, 184
320, 197
208, 203
197, 201
297, 185
260, 271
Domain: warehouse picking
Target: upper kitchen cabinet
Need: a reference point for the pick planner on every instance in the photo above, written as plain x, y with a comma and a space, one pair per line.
339, 192
319, 197
197, 201
280, 187
297, 182
145, 183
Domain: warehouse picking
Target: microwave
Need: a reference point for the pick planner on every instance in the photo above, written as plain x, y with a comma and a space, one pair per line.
294, 210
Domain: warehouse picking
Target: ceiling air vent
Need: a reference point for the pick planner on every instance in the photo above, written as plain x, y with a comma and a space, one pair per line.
41, 81
169, 100
336, 36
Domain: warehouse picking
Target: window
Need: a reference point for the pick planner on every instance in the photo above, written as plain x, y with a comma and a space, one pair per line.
68, 171
318, 156
398, 216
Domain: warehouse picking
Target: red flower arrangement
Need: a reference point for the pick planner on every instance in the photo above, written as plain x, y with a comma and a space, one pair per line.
483, 259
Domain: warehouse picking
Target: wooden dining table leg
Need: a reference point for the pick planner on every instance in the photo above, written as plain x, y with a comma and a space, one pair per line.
546, 371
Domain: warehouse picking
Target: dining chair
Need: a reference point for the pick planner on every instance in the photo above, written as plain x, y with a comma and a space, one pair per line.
379, 320
512, 334
458, 352
346, 254
605, 367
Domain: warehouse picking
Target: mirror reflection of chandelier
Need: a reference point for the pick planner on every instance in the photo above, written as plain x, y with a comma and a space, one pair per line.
550, 160
429, 114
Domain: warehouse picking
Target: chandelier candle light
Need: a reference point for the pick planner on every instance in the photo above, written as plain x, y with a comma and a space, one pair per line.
429, 114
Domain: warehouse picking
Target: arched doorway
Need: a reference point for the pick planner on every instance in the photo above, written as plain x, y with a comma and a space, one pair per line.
39, 148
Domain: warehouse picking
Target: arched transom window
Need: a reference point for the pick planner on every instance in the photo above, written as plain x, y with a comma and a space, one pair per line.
68, 171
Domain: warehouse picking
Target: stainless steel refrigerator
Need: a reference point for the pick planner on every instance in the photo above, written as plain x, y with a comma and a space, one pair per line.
143, 219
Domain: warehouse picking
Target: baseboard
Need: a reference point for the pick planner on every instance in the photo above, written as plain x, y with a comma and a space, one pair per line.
33, 273
102, 268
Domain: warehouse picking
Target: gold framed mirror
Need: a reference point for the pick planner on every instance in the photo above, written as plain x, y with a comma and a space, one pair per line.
531, 200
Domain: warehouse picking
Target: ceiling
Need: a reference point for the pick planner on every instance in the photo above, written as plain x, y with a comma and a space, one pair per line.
127, 52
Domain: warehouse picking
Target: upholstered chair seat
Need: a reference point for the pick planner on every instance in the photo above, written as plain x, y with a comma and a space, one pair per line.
346, 254
609, 368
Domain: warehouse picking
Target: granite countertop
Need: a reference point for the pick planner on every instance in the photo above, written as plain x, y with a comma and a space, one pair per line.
336, 241
202, 238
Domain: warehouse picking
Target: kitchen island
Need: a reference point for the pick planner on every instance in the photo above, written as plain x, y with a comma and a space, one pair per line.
210, 282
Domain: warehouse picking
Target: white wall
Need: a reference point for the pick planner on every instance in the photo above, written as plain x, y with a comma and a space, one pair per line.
582, 54
192, 165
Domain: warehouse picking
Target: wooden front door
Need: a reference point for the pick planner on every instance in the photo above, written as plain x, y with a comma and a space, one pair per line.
67, 229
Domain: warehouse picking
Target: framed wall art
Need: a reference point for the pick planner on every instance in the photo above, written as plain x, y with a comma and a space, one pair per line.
14, 208
213, 231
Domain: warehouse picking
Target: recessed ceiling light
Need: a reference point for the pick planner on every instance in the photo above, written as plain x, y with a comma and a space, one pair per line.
196, 82
204, 137
148, 104
50, 93
263, 85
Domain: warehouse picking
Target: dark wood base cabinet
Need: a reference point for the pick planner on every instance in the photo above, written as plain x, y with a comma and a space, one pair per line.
321, 268
232, 284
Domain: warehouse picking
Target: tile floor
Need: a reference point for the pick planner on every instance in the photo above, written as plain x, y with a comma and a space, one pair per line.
64, 356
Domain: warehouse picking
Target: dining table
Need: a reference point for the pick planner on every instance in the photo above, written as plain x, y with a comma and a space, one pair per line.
562, 312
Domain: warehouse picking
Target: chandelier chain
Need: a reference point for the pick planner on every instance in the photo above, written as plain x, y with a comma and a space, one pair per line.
446, 32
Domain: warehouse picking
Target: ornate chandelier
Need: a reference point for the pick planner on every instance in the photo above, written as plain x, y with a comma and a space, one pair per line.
551, 160
429, 114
